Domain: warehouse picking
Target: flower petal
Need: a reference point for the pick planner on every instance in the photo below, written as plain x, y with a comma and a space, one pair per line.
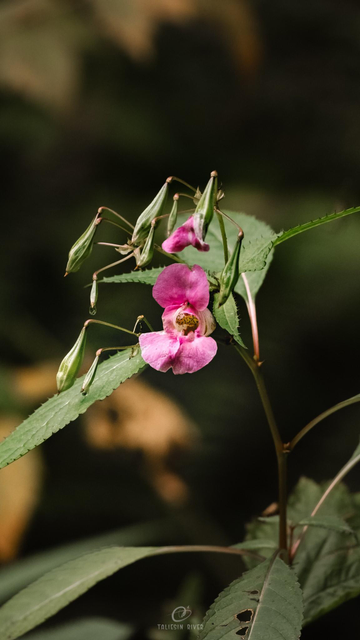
178, 284
184, 236
158, 349
194, 355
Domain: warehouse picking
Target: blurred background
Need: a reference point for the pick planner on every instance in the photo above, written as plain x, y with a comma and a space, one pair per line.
101, 100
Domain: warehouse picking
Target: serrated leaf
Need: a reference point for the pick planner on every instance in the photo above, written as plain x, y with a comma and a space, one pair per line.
334, 579
20, 574
327, 562
227, 317
86, 629
327, 522
148, 276
61, 409
294, 231
62, 585
256, 251
265, 603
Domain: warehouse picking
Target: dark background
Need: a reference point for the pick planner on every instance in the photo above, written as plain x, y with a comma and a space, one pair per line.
98, 108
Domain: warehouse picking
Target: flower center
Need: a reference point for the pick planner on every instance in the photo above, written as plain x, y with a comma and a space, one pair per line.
186, 322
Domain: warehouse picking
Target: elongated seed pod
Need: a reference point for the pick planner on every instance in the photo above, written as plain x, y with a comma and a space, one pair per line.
173, 215
205, 208
82, 248
154, 210
230, 273
71, 364
148, 251
94, 295
89, 378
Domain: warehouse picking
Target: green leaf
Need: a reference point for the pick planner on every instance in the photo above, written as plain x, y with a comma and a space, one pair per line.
61, 409
148, 276
294, 231
327, 522
256, 251
265, 604
86, 629
62, 585
227, 317
20, 574
327, 562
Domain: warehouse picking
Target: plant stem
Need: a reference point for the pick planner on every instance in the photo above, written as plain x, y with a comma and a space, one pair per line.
281, 452
322, 416
168, 255
251, 307
113, 264
115, 224
207, 548
112, 326
184, 183
117, 215
223, 236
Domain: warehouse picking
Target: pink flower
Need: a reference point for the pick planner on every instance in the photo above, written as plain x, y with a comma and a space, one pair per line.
183, 344
183, 236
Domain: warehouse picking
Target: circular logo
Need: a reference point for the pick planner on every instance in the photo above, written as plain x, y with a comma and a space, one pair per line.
181, 613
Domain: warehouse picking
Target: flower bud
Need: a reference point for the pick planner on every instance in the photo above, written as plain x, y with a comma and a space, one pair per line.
205, 208
148, 251
154, 210
71, 364
82, 247
230, 273
173, 215
94, 295
89, 378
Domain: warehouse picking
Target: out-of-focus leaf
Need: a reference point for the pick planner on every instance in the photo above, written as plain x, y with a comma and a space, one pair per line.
139, 417
39, 54
327, 562
21, 573
327, 522
56, 589
86, 629
264, 604
57, 412
20, 487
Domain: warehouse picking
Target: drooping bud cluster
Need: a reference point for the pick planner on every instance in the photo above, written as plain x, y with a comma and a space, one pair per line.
190, 327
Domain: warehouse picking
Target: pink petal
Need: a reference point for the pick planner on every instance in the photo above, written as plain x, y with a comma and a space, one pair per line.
194, 355
159, 349
184, 236
178, 284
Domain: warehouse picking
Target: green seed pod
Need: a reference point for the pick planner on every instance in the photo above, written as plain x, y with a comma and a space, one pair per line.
173, 215
148, 251
230, 273
154, 210
94, 295
71, 364
89, 378
82, 247
205, 208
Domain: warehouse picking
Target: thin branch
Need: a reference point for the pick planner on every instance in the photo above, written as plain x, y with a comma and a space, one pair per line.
322, 416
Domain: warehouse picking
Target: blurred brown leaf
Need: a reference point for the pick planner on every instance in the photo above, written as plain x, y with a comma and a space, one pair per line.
20, 486
42, 41
138, 417
132, 24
